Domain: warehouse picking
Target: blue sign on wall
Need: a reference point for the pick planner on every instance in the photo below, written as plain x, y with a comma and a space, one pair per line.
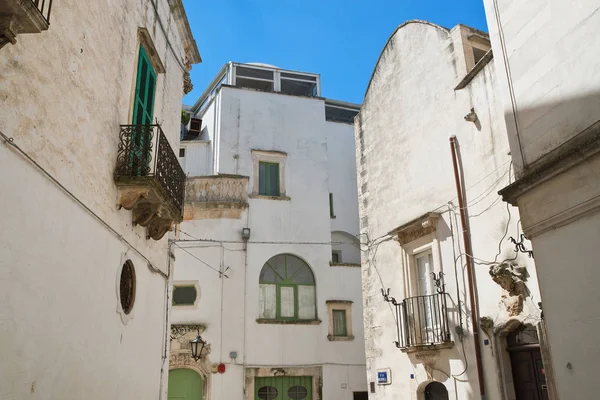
384, 376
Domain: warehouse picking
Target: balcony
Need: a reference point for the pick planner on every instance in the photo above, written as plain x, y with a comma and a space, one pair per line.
23, 16
216, 196
150, 179
422, 322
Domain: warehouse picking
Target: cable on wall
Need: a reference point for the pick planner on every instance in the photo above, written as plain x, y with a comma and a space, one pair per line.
11, 142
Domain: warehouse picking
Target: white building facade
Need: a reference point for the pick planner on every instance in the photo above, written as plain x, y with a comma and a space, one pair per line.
450, 306
268, 257
550, 86
90, 189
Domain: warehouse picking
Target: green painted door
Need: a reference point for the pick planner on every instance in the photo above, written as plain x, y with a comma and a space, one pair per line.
283, 388
185, 384
143, 111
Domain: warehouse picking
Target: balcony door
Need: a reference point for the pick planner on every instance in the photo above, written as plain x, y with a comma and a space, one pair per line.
425, 291
143, 111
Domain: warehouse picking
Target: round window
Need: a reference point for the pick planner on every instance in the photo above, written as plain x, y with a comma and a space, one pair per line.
297, 392
127, 287
267, 393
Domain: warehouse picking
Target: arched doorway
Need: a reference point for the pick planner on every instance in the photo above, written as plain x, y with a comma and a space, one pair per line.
185, 384
526, 363
436, 391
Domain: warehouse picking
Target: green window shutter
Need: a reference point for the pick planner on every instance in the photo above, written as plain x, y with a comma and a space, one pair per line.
331, 213
274, 176
268, 179
145, 90
339, 323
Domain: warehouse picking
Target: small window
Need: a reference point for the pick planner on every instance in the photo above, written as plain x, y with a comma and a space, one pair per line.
252, 78
127, 287
184, 295
336, 257
268, 179
339, 323
267, 393
182, 152
340, 320
297, 392
340, 114
331, 212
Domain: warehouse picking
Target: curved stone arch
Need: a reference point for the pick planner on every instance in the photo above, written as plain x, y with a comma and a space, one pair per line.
423, 385
349, 249
387, 44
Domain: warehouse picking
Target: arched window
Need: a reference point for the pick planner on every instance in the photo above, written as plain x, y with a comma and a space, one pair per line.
287, 289
436, 391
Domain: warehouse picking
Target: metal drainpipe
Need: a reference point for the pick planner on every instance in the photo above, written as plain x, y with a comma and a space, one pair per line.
470, 266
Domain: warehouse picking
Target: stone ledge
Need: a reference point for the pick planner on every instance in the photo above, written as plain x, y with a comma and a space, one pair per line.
332, 338
288, 322
427, 348
332, 264
263, 197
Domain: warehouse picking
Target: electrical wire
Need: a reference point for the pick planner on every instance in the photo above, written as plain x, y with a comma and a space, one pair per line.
11, 142
202, 261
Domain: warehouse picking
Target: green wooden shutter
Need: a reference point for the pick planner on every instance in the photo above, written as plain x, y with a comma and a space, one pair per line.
143, 110
268, 179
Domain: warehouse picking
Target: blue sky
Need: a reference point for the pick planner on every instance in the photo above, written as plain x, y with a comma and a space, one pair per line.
341, 40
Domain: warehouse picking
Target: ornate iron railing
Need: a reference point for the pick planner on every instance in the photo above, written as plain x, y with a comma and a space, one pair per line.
421, 320
136, 158
44, 7
217, 189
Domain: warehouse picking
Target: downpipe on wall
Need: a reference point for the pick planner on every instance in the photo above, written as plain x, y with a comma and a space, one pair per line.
469, 260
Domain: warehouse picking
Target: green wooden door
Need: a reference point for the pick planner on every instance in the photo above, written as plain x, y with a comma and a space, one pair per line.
283, 388
185, 384
143, 111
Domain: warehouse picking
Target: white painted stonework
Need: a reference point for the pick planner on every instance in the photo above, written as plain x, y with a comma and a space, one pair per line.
63, 95
316, 157
550, 86
405, 170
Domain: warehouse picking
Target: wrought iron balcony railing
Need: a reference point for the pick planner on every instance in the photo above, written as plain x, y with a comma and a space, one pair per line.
150, 177
44, 7
421, 320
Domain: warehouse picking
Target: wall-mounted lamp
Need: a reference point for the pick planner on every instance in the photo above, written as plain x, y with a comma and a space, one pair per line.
197, 346
245, 234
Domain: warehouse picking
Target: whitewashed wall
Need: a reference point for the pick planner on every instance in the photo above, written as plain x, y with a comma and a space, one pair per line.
405, 170
296, 126
63, 95
551, 93
555, 78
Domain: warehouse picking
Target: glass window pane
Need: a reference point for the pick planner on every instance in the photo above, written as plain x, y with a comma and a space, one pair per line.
268, 301
298, 88
297, 392
267, 393
299, 271
270, 275
339, 323
184, 295
298, 76
287, 302
306, 302
265, 86
254, 73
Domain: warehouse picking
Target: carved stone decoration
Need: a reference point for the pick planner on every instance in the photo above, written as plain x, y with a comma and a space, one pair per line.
179, 331
513, 304
428, 358
416, 228
144, 212
188, 86
157, 227
131, 196
511, 277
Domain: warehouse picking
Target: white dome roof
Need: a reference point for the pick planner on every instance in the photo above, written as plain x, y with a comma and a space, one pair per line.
263, 65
